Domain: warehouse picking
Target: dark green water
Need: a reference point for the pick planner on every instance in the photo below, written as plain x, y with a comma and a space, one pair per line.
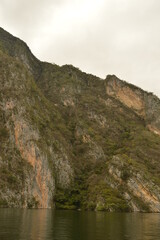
73, 225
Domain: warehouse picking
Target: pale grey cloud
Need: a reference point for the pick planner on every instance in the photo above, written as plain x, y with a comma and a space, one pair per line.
98, 36
26, 18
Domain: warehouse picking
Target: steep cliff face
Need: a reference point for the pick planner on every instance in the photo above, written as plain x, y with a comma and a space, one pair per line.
72, 140
146, 105
20, 99
18, 49
138, 188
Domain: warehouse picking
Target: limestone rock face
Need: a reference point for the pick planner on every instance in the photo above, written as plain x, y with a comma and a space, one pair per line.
146, 105
136, 186
33, 182
72, 140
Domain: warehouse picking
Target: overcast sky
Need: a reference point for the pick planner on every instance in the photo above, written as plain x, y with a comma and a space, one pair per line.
101, 37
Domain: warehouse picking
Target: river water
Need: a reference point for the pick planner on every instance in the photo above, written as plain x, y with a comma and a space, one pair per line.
18, 224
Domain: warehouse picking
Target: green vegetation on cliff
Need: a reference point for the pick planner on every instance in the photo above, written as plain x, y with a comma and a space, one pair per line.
73, 140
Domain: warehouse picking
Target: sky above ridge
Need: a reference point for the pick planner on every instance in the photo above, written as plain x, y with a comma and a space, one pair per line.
101, 37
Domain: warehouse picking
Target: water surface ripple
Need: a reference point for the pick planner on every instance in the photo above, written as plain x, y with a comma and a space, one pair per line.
18, 224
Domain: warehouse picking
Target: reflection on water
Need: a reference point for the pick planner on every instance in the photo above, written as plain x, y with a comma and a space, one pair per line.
18, 224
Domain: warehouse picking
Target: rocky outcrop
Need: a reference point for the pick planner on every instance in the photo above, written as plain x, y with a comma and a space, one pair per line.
136, 186
18, 49
144, 104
